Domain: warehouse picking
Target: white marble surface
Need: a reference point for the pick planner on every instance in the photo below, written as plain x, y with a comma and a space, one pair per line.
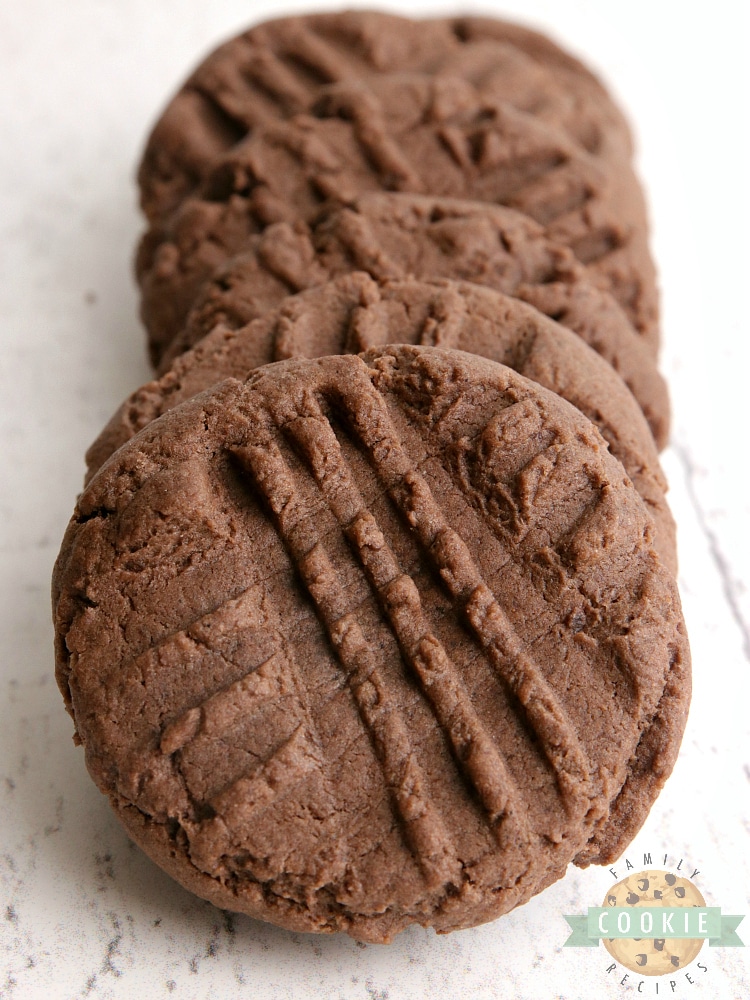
82, 912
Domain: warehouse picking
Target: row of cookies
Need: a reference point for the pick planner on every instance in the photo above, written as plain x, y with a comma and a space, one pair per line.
367, 614
325, 109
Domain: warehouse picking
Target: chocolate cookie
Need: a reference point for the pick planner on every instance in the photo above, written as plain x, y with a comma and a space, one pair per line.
389, 236
364, 642
354, 313
536, 45
416, 134
273, 71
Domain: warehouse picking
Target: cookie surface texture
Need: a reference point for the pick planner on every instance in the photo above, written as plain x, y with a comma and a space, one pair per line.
415, 133
186, 291
274, 71
364, 642
353, 313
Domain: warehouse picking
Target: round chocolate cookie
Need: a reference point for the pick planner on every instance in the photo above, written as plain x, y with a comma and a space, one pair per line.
364, 642
273, 71
421, 135
388, 235
354, 313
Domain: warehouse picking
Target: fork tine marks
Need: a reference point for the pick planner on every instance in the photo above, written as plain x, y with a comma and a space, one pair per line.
518, 671
423, 826
235, 808
242, 698
543, 710
452, 559
290, 764
442, 686
312, 51
266, 71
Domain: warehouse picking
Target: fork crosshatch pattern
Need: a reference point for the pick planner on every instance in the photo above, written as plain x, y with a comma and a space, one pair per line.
361, 643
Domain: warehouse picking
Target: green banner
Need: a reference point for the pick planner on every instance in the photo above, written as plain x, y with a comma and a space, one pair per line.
579, 938
729, 937
674, 922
